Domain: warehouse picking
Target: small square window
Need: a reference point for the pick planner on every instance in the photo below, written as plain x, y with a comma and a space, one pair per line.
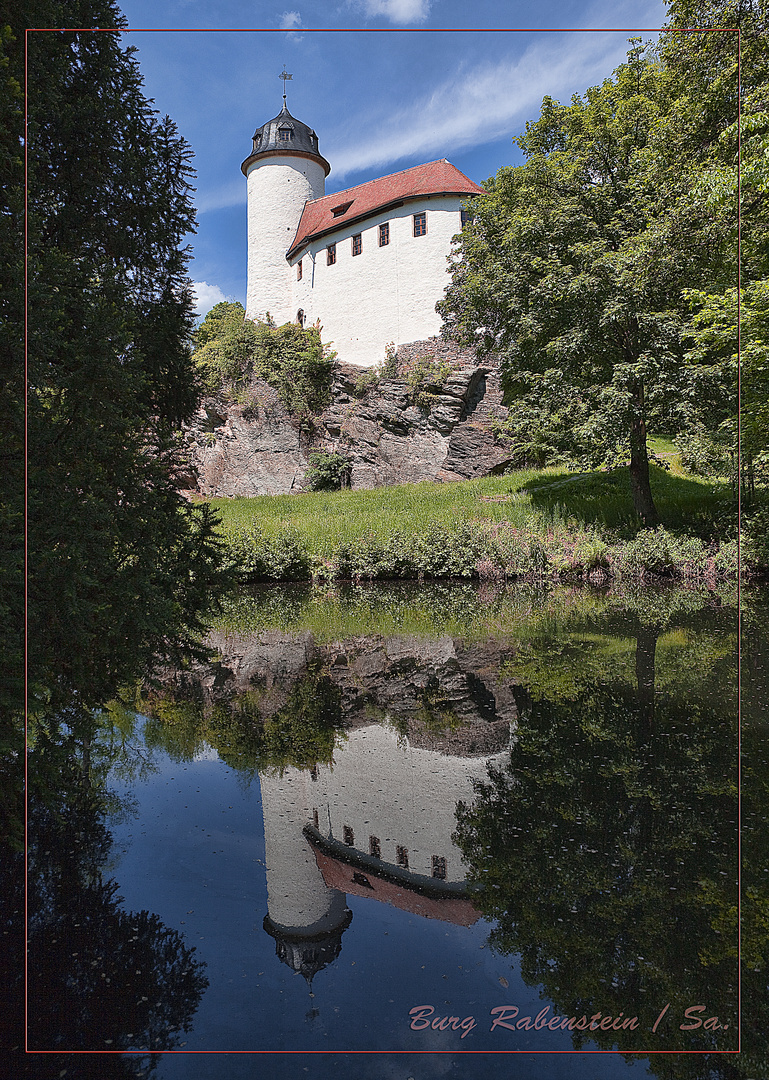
374, 847
299, 270
357, 244
439, 867
384, 234
330, 254
402, 856
349, 836
420, 224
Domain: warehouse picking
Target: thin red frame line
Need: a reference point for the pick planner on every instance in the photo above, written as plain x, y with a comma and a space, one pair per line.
392, 30
507, 1053
739, 544
26, 544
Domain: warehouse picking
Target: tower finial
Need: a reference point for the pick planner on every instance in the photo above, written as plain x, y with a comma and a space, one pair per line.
284, 75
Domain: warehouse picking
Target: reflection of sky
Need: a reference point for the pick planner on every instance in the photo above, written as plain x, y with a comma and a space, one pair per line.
194, 855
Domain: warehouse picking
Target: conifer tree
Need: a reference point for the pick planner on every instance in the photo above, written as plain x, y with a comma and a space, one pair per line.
120, 566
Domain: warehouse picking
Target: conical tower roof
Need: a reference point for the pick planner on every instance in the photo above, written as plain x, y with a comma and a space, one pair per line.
284, 135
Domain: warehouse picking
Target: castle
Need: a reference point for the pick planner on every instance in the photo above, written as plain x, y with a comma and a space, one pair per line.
369, 263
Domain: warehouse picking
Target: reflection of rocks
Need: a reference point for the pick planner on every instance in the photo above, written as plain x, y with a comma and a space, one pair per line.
442, 694
258, 449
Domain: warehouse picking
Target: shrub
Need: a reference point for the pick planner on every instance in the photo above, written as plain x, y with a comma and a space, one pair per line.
756, 550
371, 379
425, 379
233, 351
710, 454
327, 471
258, 557
656, 551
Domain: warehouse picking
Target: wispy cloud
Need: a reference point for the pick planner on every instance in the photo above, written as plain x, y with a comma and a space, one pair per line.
206, 296
291, 20
221, 198
481, 104
401, 12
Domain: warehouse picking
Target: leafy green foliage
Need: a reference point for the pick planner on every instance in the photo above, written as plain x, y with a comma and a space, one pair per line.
232, 351
425, 378
327, 471
573, 271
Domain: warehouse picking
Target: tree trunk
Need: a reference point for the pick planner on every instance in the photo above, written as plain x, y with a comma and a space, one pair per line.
645, 651
643, 502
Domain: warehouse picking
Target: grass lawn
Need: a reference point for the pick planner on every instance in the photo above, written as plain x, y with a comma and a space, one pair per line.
528, 498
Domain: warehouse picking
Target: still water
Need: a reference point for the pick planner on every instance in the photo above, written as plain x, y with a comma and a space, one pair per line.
407, 820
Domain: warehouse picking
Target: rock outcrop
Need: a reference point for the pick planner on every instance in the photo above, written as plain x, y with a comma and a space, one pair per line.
443, 693
256, 448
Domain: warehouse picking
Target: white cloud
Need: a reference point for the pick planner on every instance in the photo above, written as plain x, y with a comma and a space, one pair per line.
290, 20
206, 296
397, 11
483, 104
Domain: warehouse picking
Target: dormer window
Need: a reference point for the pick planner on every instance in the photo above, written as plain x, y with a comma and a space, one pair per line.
257, 140
337, 211
285, 134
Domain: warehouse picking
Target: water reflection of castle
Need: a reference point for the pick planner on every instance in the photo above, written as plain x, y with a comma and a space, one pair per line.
377, 824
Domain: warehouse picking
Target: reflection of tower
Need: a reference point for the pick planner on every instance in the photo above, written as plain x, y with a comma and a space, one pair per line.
305, 916
383, 817
380, 824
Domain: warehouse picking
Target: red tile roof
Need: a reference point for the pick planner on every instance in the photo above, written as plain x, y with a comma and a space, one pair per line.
433, 178
456, 909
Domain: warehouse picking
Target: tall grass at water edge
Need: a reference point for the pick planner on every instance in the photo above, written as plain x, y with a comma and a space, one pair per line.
529, 523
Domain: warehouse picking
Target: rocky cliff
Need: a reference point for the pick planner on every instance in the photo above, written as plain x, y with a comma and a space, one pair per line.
256, 448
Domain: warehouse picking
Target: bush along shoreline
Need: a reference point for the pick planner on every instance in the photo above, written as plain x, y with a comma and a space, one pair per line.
485, 550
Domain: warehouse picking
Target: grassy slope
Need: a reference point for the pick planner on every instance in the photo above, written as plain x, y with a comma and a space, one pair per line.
530, 498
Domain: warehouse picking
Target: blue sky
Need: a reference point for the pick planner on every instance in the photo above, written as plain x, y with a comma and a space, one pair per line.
393, 83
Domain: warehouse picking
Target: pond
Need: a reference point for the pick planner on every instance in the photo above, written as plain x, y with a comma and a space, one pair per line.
408, 820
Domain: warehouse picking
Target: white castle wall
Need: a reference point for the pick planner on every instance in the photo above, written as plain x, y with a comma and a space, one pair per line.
278, 188
384, 294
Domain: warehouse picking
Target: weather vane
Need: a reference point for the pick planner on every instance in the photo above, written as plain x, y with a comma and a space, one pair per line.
284, 75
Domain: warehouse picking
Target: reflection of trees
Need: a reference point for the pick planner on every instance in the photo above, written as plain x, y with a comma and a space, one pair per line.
100, 977
606, 849
246, 732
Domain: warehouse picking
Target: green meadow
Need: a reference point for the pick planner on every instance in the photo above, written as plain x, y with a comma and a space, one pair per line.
536, 498
546, 522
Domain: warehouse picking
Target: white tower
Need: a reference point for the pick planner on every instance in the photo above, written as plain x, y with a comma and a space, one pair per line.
284, 171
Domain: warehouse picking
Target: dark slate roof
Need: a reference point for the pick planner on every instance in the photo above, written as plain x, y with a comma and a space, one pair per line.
333, 212
303, 141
